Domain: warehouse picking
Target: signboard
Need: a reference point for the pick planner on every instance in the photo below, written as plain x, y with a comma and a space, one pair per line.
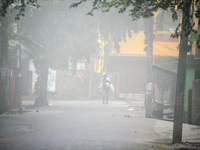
80, 66
51, 84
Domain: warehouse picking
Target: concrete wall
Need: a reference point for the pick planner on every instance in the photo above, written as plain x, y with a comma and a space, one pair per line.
195, 113
133, 73
190, 74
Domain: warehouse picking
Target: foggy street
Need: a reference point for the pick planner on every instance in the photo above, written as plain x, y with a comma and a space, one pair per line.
60, 61
80, 124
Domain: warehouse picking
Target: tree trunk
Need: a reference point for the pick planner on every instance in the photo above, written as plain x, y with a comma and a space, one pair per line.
41, 99
74, 68
4, 66
180, 85
197, 49
149, 83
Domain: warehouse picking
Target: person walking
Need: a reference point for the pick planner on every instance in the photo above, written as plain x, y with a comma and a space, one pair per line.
105, 82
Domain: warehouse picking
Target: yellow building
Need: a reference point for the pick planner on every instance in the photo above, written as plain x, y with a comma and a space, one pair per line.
131, 62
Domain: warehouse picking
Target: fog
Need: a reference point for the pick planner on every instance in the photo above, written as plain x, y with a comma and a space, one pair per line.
70, 50
80, 47
101, 80
69, 37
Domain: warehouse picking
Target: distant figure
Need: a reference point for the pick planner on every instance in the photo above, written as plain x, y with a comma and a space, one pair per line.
105, 81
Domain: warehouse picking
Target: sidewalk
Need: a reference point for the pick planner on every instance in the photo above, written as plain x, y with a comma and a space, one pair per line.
164, 128
190, 135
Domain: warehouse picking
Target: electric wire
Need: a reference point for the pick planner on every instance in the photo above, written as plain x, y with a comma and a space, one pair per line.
166, 47
161, 52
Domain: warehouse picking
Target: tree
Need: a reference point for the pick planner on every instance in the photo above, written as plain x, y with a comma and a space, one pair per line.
18, 5
146, 9
7, 9
62, 33
113, 28
8, 37
4, 66
180, 86
149, 38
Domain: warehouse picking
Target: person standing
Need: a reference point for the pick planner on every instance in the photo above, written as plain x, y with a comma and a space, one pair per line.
105, 82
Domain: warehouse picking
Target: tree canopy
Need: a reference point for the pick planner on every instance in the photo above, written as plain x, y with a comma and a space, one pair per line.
144, 8
114, 27
18, 5
136, 9
61, 32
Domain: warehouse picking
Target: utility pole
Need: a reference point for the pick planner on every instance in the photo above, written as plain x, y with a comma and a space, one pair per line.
180, 85
149, 83
19, 69
91, 77
107, 50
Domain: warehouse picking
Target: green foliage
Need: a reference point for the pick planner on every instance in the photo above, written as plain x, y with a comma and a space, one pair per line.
55, 33
136, 9
114, 27
60, 33
144, 9
10, 30
194, 35
18, 5
176, 33
34, 48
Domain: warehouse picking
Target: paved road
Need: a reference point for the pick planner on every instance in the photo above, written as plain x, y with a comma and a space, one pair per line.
79, 125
